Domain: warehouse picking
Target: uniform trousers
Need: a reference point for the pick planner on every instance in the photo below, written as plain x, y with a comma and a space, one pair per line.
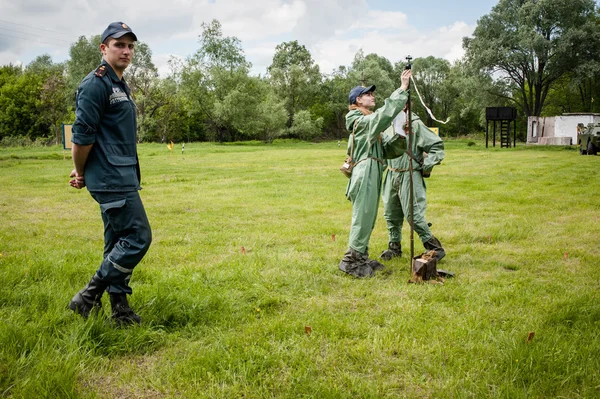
127, 237
396, 203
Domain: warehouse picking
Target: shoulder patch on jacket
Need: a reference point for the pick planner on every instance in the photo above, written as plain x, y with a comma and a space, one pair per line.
101, 71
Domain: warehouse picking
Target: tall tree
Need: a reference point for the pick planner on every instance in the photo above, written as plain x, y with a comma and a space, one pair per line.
464, 94
219, 51
295, 77
142, 77
19, 107
272, 117
53, 106
168, 122
8, 73
85, 56
372, 69
532, 43
305, 127
43, 64
430, 75
586, 77
334, 96
239, 107
360, 60
33, 101
218, 67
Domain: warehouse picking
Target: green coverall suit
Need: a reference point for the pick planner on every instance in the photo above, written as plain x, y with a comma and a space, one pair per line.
364, 187
396, 189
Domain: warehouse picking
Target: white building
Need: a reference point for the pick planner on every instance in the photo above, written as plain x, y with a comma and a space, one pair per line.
557, 130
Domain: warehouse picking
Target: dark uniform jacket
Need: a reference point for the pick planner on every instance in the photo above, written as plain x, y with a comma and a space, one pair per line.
105, 117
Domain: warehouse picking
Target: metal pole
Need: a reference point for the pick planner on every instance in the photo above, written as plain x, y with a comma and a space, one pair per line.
410, 173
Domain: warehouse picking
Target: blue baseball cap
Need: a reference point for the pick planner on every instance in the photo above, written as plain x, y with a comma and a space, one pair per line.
359, 91
116, 30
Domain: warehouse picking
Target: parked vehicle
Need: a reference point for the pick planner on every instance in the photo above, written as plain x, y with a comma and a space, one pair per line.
588, 138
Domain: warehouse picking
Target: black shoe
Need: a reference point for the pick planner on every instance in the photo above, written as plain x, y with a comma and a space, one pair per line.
394, 250
121, 312
373, 264
435, 245
88, 298
354, 264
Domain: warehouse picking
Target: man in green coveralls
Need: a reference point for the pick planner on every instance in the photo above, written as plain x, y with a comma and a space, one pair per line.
105, 158
364, 187
427, 151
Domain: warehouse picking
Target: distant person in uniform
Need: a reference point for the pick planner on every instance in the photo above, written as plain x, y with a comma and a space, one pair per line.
427, 151
104, 154
364, 187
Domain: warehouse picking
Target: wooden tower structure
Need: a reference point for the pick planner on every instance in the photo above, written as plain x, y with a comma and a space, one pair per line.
505, 116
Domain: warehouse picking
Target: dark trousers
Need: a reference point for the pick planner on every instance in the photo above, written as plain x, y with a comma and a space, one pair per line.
127, 237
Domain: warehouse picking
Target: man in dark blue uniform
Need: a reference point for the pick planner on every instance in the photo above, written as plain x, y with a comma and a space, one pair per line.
105, 158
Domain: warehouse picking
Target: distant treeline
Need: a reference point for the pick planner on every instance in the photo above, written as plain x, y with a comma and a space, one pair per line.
538, 56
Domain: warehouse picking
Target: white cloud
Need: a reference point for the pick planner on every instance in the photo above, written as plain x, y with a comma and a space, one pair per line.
333, 30
395, 45
252, 20
382, 20
454, 36
326, 17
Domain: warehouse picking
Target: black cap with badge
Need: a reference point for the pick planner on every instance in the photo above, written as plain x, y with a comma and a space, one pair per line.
116, 30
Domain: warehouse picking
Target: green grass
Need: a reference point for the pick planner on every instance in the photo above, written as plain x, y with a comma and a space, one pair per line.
520, 226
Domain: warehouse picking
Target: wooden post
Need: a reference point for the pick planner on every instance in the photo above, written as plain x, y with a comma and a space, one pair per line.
410, 140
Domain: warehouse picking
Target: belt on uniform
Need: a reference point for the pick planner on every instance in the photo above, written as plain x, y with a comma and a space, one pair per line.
402, 170
397, 170
374, 158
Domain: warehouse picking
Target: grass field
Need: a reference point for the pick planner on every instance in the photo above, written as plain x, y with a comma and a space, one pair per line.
521, 228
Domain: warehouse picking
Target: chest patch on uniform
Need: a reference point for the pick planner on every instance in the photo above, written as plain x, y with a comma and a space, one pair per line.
117, 96
101, 71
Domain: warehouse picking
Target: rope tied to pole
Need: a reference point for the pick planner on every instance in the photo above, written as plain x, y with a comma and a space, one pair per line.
423, 103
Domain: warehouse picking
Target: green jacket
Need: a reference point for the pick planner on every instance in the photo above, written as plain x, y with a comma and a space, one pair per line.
367, 150
424, 141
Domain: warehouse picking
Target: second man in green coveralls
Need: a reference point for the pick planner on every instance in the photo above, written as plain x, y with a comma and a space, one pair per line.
427, 151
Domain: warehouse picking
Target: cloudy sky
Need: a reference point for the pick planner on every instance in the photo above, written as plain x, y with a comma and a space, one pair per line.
332, 30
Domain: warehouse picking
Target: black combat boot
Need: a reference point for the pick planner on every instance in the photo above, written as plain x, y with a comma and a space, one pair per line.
121, 312
436, 245
89, 297
354, 264
394, 250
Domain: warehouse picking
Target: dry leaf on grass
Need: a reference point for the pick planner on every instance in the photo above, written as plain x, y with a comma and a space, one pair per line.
530, 336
